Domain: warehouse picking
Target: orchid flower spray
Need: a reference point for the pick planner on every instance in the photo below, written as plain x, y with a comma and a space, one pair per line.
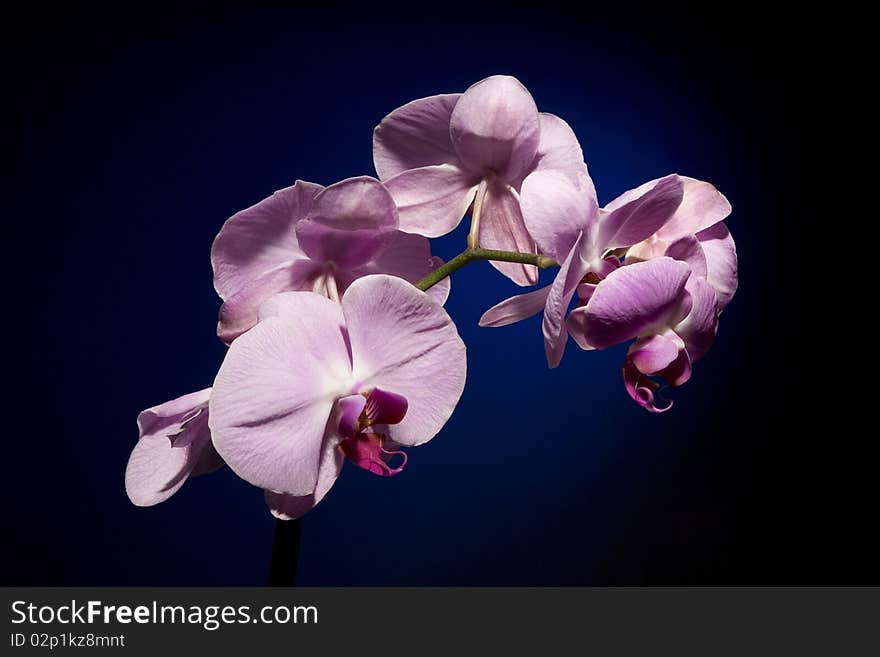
339, 345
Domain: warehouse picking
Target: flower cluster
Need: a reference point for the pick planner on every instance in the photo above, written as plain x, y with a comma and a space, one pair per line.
339, 345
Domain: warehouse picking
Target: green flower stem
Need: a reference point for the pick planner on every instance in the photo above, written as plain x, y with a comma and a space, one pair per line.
471, 255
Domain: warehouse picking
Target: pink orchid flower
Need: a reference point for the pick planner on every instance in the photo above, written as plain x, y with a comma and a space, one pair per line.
672, 313
174, 444
439, 154
695, 233
563, 216
316, 382
307, 237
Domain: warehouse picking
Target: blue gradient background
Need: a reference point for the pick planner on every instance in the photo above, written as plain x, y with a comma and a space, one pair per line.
137, 135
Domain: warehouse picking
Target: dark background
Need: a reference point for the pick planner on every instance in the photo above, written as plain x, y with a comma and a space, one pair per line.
135, 135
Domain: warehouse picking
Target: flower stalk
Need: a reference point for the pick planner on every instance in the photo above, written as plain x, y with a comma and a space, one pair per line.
472, 254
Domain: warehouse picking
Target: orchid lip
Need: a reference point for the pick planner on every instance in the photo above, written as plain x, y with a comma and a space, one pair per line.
370, 410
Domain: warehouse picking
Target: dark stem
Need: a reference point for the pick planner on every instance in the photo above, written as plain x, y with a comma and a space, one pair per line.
285, 553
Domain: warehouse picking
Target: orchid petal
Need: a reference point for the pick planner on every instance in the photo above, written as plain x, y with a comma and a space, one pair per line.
290, 507
408, 257
564, 286
558, 147
349, 223
720, 252
699, 327
653, 353
688, 249
701, 206
628, 223
556, 207
415, 135
516, 308
495, 127
275, 391
260, 238
239, 312
633, 300
432, 200
403, 341
173, 438
502, 227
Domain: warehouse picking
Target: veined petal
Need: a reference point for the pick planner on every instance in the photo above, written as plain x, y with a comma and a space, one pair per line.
558, 147
721, 264
516, 308
275, 391
638, 218
403, 341
699, 327
502, 227
239, 312
688, 249
645, 297
495, 127
349, 223
290, 507
653, 353
646, 250
173, 438
409, 257
261, 238
701, 206
556, 207
564, 286
156, 420
415, 135
432, 200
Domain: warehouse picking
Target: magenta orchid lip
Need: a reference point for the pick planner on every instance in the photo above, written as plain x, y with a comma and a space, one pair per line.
340, 348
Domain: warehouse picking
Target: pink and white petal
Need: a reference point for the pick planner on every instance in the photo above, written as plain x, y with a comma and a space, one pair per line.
261, 238
642, 216
653, 353
408, 256
495, 127
290, 507
678, 372
349, 223
558, 147
562, 290
721, 263
275, 392
645, 297
699, 327
516, 308
404, 342
240, 311
432, 200
157, 467
153, 422
415, 135
556, 207
502, 227
688, 249
650, 248
701, 206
